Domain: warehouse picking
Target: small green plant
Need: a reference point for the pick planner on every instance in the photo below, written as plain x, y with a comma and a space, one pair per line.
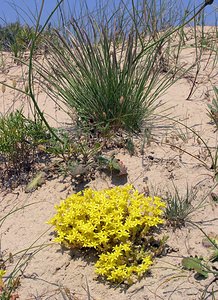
113, 164
77, 155
213, 108
7, 290
203, 267
179, 207
116, 223
64, 149
19, 138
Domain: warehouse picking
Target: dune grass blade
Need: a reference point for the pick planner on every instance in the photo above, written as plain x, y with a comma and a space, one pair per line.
213, 156
13, 210
30, 73
213, 108
11, 280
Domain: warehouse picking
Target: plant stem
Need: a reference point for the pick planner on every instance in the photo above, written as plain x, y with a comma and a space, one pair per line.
30, 77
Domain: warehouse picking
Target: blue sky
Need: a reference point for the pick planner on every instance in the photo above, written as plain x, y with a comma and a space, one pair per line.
27, 9
9, 9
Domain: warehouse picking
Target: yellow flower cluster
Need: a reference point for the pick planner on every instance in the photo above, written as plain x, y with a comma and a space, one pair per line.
2, 273
111, 221
121, 264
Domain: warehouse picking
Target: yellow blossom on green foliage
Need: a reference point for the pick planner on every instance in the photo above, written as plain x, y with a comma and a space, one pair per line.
2, 273
118, 265
110, 221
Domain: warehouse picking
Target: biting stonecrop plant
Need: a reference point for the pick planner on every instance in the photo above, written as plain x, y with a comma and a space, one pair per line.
115, 222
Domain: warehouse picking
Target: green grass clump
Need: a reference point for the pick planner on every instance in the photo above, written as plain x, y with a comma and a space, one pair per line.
19, 138
109, 84
115, 222
213, 108
179, 207
15, 38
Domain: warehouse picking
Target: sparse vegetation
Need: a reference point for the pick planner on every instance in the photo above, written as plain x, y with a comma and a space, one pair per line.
16, 38
213, 108
19, 138
204, 267
106, 71
180, 207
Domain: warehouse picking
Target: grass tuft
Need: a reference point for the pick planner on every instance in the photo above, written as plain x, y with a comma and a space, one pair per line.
111, 84
179, 207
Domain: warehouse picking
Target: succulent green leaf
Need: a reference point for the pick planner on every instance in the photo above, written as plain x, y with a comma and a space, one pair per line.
195, 263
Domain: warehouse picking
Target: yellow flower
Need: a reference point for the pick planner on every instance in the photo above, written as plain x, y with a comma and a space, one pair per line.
110, 221
2, 273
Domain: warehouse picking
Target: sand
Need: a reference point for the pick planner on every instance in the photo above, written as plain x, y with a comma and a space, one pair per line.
153, 170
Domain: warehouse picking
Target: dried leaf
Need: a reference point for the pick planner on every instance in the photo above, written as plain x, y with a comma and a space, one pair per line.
37, 181
14, 297
214, 256
122, 168
11, 258
78, 169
